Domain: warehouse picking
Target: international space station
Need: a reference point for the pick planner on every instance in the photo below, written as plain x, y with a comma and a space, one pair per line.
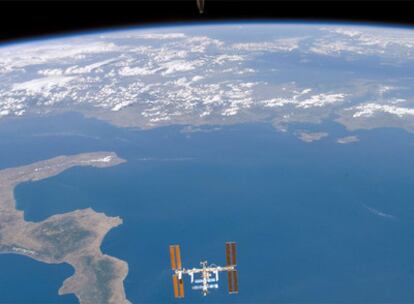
207, 276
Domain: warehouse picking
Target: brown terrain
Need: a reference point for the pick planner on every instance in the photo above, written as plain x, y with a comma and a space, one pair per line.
74, 238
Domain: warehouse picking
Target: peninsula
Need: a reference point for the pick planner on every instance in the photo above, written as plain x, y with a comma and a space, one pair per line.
74, 238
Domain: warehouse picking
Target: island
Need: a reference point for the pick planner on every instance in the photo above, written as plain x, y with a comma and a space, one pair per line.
74, 238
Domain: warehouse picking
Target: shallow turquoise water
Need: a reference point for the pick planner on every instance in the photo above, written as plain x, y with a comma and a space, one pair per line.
309, 219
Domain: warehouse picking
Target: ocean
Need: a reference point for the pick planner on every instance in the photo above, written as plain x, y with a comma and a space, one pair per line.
24, 280
314, 222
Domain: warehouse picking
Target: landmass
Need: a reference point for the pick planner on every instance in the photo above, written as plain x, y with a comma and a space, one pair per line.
347, 139
74, 238
311, 136
185, 76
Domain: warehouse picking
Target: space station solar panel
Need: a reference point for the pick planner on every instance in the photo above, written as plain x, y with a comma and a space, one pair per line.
175, 255
181, 288
233, 281
178, 256
233, 253
230, 281
172, 256
228, 258
230, 253
175, 286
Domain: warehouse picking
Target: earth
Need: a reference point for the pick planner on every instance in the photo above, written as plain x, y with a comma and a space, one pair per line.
295, 140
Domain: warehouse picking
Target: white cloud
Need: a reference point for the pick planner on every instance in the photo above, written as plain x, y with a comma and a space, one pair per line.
370, 109
200, 44
180, 66
379, 213
277, 102
197, 78
300, 100
42, 86
320, 100
51, 72
4, 113
365, 41
136, 71
279, 45
160, 36
88, 68
24, 55
220, 59
179, 77
327, 47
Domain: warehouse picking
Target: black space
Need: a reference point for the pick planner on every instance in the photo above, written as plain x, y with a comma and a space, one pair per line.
22, 19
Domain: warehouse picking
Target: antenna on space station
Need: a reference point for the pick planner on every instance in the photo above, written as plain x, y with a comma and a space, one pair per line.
200, 5
207, 275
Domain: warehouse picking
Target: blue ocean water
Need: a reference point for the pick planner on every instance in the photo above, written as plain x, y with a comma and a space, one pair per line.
317, 222
23, 280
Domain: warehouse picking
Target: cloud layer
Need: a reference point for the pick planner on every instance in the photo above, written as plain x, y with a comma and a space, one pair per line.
216, 75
